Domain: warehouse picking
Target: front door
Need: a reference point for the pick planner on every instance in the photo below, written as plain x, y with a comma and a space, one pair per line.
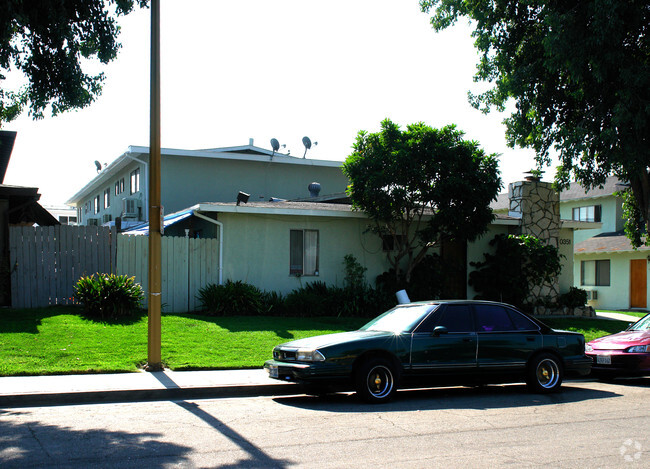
638, 283
451, 353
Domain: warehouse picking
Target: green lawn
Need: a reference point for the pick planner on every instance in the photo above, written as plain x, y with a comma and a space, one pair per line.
57, 340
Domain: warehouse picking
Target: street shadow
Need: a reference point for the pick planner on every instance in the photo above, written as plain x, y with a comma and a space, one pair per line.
257, 457
28, 443
448, 398
638, 381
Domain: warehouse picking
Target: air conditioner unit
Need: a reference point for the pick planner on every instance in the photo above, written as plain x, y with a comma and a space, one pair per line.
130, 208
592, 294
92, 221
107, 218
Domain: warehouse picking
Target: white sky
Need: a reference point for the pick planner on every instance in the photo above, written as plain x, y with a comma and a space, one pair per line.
263, 69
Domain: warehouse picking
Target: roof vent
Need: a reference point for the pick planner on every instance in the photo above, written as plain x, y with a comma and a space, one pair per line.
314, 189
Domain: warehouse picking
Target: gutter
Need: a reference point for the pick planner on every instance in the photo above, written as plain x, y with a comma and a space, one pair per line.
220, 229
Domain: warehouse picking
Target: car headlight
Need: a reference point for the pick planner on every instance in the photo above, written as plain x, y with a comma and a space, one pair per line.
639, 349
308, 355
588, 348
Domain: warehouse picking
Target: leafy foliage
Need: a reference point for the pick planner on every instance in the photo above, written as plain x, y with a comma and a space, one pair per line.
230, 299
108, 296
419, 185
574, 298
517, 263
47, 41
579, 73
426, 281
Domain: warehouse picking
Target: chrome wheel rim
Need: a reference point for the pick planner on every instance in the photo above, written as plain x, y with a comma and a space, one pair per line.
379, 381
548, 373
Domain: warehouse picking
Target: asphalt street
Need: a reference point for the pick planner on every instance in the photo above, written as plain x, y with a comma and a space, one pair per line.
589, 424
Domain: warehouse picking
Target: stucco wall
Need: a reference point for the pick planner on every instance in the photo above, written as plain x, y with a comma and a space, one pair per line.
256, 249
565, 249
617, 294
188, 181
611, 215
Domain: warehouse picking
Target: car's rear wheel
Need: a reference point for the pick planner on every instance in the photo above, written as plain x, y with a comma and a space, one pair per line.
544, 373
376, 381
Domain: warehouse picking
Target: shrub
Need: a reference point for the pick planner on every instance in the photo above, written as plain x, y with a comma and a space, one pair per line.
108, 296
231, 299
518, 263
273, 304
313, 300
426, 280
574, 298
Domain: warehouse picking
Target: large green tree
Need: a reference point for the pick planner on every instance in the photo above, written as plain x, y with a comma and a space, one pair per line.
46, 41
579, 74
419, 186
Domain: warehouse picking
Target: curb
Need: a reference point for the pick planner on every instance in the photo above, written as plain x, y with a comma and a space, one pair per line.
144, 395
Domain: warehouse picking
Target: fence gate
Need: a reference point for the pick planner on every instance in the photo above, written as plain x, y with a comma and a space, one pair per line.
46, 261
187, 265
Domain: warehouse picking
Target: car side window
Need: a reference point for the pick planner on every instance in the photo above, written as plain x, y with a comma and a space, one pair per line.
457, 318
429, 323
521, 322
493, 318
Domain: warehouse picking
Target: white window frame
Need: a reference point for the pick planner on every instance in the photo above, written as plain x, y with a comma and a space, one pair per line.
304, 253
134, 180
592, 273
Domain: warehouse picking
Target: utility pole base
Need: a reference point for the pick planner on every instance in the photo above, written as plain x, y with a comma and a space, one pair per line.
153, 367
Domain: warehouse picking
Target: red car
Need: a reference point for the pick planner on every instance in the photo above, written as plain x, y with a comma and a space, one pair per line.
624, 354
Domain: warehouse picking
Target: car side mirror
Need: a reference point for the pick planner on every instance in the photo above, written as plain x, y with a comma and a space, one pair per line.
439, 330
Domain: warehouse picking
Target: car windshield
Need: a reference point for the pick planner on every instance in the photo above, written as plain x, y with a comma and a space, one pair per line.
399, 319
642, 324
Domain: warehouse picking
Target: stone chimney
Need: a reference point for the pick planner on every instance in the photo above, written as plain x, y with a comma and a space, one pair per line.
537, 205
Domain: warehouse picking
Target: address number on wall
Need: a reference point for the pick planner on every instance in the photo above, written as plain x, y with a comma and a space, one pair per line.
565, 241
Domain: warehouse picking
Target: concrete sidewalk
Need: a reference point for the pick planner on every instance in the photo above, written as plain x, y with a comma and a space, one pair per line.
22, 391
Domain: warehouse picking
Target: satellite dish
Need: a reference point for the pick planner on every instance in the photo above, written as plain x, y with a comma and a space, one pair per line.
98, 165
275, 145
307, 143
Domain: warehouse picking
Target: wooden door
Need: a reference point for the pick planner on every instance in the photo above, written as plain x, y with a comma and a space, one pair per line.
638, 283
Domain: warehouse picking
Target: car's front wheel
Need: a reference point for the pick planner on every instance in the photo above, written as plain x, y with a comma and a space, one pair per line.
376, 381
544, 373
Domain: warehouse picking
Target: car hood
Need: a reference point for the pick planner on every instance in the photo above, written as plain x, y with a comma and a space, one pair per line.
321, 341
622, 340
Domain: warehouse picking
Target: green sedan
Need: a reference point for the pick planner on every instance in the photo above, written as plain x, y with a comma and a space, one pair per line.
434, 343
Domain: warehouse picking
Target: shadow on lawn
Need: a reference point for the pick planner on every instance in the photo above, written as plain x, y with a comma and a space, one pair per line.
279, 325
28, 320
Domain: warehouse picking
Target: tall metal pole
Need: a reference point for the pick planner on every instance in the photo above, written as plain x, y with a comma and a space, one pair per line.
154, 361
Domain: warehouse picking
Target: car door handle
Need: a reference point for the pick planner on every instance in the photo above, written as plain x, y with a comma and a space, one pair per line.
467, 339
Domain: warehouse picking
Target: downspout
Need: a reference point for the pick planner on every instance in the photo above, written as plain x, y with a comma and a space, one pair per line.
143, 190
220, 231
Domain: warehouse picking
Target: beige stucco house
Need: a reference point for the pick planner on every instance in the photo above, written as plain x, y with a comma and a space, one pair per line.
280, 246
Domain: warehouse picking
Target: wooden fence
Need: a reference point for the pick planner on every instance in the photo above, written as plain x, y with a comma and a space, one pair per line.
47, 261
187, 265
